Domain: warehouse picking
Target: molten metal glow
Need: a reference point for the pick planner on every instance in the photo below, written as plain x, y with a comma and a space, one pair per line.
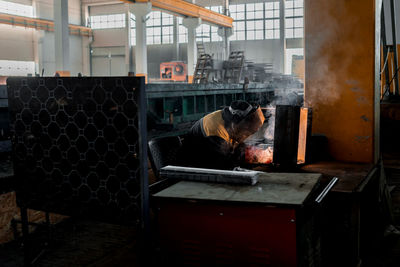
259, 155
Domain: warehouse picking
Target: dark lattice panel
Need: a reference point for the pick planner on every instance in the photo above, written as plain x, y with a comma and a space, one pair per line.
76, 145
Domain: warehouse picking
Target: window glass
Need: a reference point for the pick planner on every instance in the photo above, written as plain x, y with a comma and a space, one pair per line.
107, 21
294, 12
16, 9
159, 28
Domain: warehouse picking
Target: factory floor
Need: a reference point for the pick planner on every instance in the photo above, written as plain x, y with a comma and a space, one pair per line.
387, 253
89, 243
77, 243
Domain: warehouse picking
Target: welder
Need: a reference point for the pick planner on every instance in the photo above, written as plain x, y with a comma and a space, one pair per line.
216, 140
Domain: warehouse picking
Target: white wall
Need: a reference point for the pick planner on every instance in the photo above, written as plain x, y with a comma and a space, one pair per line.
18, 43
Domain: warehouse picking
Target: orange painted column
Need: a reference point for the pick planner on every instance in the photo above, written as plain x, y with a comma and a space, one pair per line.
342, 57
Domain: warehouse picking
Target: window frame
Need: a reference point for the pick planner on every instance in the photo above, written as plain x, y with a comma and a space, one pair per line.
109, 21
294, 11
159, 28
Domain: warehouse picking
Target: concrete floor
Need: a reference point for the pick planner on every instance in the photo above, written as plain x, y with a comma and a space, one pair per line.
88, 243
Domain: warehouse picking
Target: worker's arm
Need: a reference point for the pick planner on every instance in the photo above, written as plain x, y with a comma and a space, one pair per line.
221, 154
207, 152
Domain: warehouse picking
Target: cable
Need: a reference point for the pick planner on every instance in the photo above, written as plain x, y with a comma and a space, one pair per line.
388, 86
384, 65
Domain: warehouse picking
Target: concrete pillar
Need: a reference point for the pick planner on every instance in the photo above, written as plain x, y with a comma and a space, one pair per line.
225, 33
176, 38
61, 35
342, 60
141, 10
38, 37
191, 24
282, 35
86, 47
85, 14
128, 43
86, 44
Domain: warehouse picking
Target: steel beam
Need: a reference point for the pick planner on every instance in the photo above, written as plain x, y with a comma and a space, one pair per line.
41, 24
188, 10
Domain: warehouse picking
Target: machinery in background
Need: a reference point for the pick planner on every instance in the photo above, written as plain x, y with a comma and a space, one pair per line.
175, 71
234, 70
298, 67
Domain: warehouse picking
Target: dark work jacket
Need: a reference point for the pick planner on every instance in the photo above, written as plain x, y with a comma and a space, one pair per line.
208, 145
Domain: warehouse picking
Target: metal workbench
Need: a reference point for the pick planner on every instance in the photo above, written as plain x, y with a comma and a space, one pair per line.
272, 223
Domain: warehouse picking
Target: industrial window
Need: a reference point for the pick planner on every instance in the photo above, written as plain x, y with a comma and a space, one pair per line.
16, 68
254, 21
160, 28
207, 33
182, 32
239, 25
272, 24
107, 21
217, 9
16, 9
133, 29
294, 24
203, 33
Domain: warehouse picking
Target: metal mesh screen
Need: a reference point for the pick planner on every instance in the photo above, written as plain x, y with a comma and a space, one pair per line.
76, 145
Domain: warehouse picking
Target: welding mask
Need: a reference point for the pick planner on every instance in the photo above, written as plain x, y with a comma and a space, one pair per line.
246, 119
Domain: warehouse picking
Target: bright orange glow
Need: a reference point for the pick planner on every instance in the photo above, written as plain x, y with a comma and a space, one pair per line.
301, 152
259, 155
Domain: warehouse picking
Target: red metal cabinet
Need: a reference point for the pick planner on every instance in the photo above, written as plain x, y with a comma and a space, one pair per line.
224, 225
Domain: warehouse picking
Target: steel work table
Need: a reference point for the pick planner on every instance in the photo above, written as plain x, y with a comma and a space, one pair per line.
268, 223
350, 211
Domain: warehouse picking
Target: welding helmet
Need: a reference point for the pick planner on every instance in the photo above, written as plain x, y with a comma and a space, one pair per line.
246, 119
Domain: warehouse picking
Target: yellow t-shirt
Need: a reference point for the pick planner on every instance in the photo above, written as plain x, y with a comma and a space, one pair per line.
214, 125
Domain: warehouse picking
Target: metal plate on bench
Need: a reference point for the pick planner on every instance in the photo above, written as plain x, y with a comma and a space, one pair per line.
272, 188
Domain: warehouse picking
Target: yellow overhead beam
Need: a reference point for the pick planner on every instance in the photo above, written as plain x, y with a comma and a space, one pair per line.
41, 24
188, 9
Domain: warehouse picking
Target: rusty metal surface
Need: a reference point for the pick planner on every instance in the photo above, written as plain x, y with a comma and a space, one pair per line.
340, 53
272, 188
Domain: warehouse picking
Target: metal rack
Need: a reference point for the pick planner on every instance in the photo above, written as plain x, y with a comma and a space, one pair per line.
204, 67
233, 67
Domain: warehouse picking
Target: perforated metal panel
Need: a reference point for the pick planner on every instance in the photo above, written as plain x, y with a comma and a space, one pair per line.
76, 145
